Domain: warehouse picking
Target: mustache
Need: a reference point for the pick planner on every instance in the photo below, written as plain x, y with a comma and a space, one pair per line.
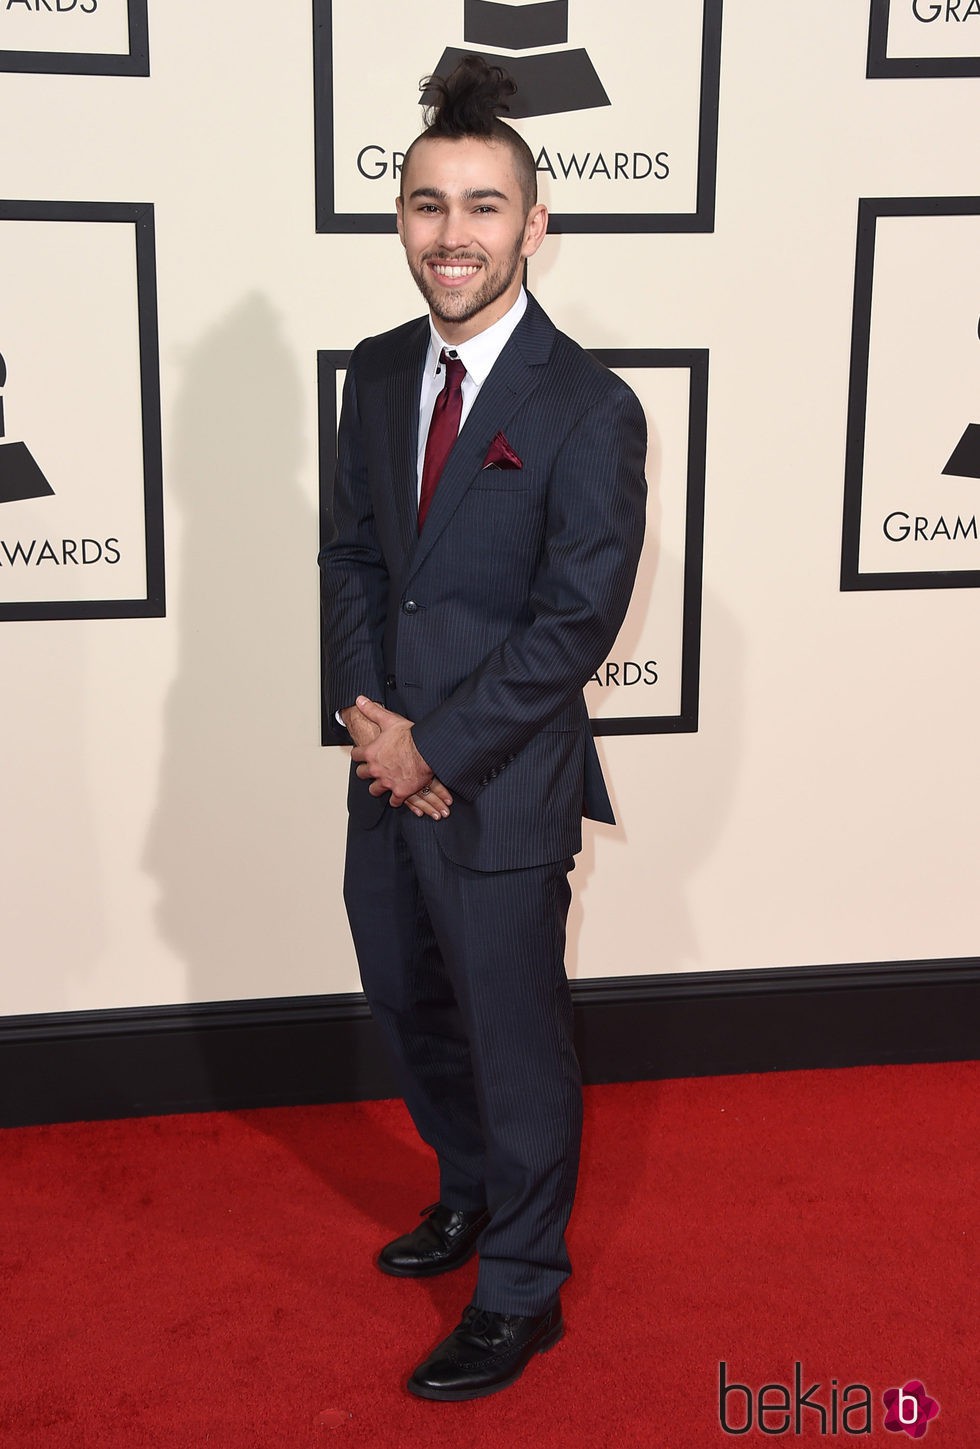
454, 257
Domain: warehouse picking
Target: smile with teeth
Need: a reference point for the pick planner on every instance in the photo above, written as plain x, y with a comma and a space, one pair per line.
455, 271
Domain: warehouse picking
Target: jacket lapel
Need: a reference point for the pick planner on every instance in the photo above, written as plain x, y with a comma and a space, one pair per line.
402, 407
514, 375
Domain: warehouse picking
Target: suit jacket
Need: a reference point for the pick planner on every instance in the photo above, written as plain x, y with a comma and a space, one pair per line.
485, 629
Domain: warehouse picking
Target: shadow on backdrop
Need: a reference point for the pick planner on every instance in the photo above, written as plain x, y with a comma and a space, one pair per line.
233, 840
238, 897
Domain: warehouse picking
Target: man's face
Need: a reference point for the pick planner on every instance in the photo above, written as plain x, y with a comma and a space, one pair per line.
462, 222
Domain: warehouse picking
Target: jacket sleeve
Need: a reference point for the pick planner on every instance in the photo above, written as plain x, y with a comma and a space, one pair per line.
353, 574
578, 600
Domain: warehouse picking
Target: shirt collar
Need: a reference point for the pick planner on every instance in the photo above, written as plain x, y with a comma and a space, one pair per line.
480, 353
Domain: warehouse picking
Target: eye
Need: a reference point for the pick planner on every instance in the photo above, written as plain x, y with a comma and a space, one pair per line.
485, 209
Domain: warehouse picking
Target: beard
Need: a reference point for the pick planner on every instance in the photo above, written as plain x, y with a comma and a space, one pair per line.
453, 306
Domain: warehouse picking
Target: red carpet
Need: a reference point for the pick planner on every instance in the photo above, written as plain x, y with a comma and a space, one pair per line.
207, 1280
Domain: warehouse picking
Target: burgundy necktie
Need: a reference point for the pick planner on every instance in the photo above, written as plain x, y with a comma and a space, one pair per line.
442, 430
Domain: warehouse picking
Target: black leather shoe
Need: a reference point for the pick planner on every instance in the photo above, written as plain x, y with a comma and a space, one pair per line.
485, 1353
446, 1239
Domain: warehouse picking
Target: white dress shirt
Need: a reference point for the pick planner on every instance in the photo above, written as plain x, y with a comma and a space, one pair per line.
477, 355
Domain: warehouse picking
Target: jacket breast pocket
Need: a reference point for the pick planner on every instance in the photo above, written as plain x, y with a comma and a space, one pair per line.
502, 480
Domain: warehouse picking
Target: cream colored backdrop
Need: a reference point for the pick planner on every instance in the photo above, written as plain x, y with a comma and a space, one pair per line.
172, 830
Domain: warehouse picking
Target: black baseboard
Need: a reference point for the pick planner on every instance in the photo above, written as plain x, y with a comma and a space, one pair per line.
136, 1062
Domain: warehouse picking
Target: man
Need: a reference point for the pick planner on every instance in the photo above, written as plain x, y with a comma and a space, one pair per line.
488, 514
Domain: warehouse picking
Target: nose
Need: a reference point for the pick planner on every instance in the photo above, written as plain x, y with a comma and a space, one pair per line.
453, 233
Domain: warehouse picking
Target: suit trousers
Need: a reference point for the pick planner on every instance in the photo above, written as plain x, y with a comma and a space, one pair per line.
464, 973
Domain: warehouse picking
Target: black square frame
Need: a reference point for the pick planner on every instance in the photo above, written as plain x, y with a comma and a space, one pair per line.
330, 363
882, 66
140, 217
62, 62
869, 210
700, 220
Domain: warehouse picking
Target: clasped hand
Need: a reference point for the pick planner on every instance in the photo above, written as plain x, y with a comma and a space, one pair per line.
384, 752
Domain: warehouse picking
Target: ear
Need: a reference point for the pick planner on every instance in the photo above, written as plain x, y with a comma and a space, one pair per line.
400, 219
535, 229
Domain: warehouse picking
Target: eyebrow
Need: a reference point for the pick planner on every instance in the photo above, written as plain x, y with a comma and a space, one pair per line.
473, 193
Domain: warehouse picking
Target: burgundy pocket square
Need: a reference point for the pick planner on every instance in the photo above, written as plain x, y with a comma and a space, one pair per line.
500, 454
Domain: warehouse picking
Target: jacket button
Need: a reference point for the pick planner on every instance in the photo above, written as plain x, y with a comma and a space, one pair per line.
390, 681
409, 606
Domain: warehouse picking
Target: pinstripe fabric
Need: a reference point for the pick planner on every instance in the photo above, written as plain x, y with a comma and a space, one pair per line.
483, 631
465, 974
516, 588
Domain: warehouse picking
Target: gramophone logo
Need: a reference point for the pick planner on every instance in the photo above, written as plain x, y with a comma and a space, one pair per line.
964, 461
20, 476
911, 502
621, 117
548, 83
81, 503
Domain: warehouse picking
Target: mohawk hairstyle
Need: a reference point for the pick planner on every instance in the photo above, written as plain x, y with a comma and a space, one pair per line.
466, 103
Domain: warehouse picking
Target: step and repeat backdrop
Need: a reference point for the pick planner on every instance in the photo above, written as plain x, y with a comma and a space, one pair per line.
764, 217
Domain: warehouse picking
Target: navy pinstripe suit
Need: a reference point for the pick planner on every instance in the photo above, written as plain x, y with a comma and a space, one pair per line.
483, 631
